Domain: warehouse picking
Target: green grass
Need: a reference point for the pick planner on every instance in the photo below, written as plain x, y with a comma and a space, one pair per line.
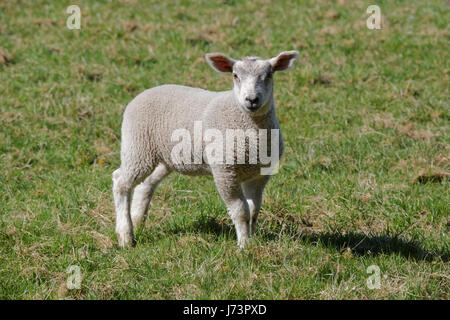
364, 180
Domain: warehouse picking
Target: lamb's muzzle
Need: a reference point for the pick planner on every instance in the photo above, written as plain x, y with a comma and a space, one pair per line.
147, 147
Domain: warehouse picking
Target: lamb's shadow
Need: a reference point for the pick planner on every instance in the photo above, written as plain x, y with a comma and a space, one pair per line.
360, 244
209, 225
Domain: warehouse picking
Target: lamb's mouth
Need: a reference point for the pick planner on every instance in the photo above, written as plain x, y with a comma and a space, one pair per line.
252, 108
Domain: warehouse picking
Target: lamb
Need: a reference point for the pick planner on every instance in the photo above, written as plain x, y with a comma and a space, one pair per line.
147, 144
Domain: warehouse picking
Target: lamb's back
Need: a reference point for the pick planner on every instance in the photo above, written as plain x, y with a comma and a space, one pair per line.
151, 118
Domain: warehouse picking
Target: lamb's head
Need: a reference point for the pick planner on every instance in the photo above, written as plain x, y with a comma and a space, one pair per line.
252, 77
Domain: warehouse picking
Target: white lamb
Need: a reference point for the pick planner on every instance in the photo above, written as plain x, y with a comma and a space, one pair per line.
147, 145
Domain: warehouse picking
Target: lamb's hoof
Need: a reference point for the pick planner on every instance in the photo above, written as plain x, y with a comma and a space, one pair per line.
243, 242
252, 229
126, 240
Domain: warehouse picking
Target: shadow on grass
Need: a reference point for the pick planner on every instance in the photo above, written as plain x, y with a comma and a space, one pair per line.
360, 244
209, 225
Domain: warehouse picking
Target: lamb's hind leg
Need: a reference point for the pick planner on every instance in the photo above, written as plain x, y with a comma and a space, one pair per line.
123, 183
143, 194
122, 186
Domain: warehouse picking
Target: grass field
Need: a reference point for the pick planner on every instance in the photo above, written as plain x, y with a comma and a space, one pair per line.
364, 179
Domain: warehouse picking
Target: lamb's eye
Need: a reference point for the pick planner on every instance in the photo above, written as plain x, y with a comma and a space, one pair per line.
235, 76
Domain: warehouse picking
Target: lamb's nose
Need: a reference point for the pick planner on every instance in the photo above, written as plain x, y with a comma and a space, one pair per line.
253, 101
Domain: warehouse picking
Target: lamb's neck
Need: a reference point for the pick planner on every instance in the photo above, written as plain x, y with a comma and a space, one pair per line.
266, 116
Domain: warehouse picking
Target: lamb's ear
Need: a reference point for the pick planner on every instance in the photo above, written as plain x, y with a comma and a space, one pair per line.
220, 62
283, 61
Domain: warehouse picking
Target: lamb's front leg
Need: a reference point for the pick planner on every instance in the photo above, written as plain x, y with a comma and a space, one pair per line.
253, 191
237, 206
